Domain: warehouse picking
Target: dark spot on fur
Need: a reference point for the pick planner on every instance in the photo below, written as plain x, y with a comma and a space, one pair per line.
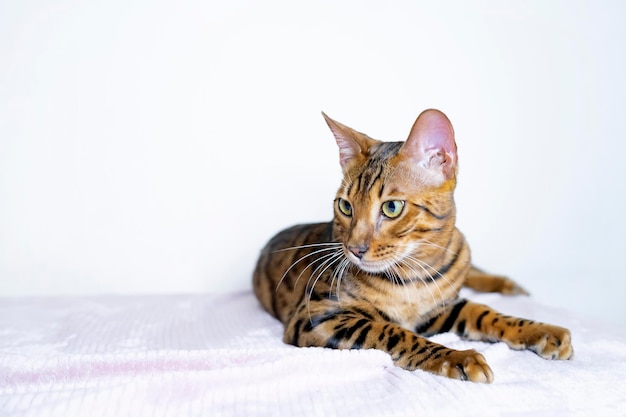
479, 321
460, 328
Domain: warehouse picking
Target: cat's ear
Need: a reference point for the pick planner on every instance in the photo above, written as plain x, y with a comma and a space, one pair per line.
353, 146
431, 143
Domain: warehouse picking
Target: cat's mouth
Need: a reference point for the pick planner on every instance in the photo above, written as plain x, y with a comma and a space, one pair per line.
373, 267
393, 261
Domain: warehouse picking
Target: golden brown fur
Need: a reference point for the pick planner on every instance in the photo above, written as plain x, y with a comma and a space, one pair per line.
388, 269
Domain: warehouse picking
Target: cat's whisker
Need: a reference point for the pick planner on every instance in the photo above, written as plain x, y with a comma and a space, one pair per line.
322, 259
414, 248
314, 253
434, 245
342, 269
433, 279
425, 267
337, 273
329, 260
322, 268
441, 276
417, 274
394, 267
397, 266
311, 245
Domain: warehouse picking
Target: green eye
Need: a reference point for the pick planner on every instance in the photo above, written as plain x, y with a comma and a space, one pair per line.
344, 207
392, 209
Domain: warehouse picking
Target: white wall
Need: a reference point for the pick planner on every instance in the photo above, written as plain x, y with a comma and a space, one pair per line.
155, 146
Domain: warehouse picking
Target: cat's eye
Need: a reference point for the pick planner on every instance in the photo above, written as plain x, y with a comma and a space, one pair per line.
392, 209
344, 207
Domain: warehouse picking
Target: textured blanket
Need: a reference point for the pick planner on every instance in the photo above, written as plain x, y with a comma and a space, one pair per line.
221, 355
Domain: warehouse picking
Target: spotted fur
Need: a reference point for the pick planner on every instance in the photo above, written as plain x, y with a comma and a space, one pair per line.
386, 272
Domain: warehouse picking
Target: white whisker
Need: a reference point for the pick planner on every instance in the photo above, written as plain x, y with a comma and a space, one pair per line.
341, 271
312, 245
324, 259
322, 268
427, 242
433, 279
394, 273
316, 252
422, 265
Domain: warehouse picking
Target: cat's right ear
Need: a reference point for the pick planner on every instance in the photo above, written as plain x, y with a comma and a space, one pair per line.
353, 146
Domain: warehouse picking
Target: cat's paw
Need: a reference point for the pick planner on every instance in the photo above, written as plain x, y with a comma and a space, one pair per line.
547, 341
553, 342
466, 365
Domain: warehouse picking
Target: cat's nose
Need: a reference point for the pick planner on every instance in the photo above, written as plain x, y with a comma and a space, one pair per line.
358, 251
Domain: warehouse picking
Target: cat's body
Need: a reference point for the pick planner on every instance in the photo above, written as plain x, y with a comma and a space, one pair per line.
386, 272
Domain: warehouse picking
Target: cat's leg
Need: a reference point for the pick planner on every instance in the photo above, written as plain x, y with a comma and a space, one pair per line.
478, 322
481, 281
342, 328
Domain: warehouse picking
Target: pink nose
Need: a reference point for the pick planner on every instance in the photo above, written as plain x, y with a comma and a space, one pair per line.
358, 251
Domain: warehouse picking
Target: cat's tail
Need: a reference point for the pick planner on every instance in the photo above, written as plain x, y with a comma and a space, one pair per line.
479, 280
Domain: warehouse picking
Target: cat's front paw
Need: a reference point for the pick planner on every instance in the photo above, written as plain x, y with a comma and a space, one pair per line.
553, 342
547, 341
466, 365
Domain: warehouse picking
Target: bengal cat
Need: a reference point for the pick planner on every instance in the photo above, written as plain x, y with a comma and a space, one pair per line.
386, 272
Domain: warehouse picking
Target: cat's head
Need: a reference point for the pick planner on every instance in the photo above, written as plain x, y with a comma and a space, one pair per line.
395, 206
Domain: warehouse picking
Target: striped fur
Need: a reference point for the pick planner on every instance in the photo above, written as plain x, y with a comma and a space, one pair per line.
386, 272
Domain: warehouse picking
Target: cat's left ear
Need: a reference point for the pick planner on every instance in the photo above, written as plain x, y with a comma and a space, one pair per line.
431, 143
353, 145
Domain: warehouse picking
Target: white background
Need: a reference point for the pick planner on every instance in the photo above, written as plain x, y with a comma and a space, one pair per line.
154, 147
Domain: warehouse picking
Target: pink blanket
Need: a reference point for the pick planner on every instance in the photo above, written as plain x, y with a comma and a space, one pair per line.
221, 355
